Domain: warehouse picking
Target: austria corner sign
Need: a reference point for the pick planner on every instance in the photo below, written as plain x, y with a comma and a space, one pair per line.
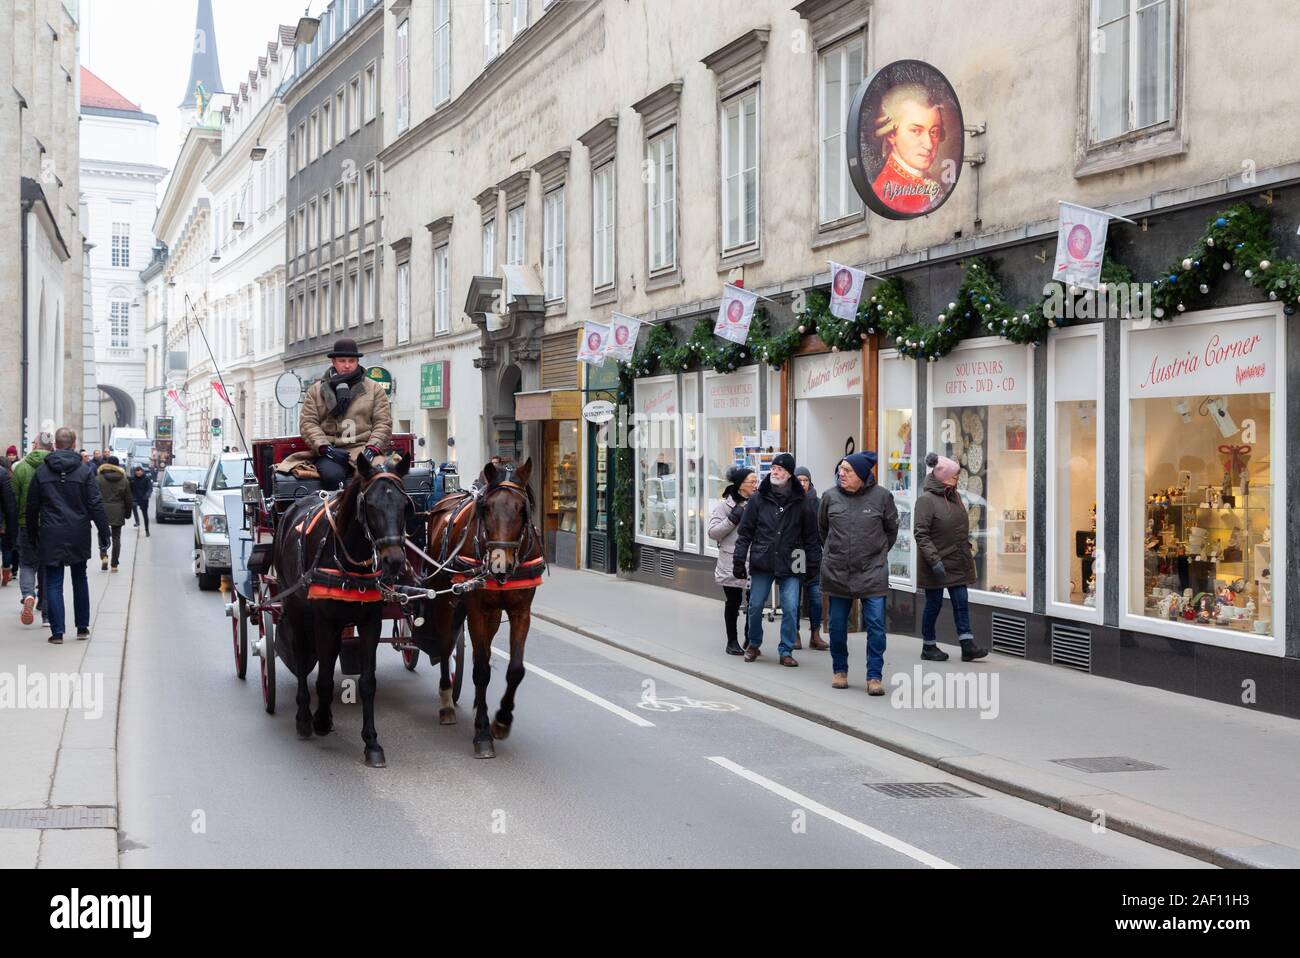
905, 142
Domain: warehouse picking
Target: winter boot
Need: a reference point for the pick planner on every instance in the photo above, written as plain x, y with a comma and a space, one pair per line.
970, 651
816, 643
733, 647
932, 653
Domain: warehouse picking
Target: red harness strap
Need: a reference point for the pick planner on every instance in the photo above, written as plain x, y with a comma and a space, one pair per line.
524, 576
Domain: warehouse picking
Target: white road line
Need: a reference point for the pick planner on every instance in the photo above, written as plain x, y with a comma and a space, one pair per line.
853, 825
582, 693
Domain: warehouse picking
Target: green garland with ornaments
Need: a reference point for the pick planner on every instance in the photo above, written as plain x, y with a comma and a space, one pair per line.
1237, 240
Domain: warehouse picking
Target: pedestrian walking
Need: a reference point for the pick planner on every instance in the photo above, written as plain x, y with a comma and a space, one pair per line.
776, 543
141, 489
941, 529
8, 522
723, 525
11, 456
62, 503
858, 523
811, 597
31, 574
115, 490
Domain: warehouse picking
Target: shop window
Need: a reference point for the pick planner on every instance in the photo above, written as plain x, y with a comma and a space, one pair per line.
1074, 452
730, 427
655, 445
827, 422
1204, 498
691, 456
896, 465
981, 418
562, 477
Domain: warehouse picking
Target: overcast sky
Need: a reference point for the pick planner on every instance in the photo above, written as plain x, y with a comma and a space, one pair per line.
142, 49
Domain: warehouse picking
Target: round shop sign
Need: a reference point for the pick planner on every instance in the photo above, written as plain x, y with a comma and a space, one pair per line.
598, 411
288, 390
906, 141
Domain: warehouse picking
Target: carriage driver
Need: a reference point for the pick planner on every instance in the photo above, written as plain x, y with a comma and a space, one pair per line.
344, 415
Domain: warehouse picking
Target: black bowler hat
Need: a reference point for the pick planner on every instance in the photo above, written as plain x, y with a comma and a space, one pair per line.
345, 348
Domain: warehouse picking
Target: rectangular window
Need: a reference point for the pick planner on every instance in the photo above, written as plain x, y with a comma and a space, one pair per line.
372, 195
293, 153
896, 468
372, 93
740, 171
991, 434
491, 30
354, 202
313, 232
302, 317
1074, 458
1132, 66
840, 72
121, 254
661, 200
403, 303
657, 461
553, 245
326, 127
313, 138
490, 248
515, 237
1203, 478
692, 422
119, 321
354, 299
518, 16
602, 227
372, 296
442, 289
730, 414
302, 146
340, 117
403, 75
441, 51
313, 310
354, 105
338, 225
327, 306
326, 219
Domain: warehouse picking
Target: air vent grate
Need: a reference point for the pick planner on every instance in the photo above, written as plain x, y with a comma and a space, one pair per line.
597, 552
1072, 647
1009, 634
667, 564
67, 816
921, 790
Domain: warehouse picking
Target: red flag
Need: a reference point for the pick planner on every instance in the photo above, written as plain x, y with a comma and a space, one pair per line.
221, 393
175, 397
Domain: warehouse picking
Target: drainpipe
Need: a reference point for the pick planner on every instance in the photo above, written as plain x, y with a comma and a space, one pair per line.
25, 206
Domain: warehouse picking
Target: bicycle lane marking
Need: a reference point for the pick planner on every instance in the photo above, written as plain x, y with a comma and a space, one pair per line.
582, 693
817, 808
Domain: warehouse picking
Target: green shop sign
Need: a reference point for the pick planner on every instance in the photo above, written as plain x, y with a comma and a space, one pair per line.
435, 385
382, 376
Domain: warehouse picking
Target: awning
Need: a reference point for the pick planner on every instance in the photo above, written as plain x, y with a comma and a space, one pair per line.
546, 404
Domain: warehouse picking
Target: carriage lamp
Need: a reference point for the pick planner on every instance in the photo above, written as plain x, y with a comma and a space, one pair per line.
214, 524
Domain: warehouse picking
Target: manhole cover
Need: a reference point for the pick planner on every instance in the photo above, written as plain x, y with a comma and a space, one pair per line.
69, 816
921, 790
1109, 763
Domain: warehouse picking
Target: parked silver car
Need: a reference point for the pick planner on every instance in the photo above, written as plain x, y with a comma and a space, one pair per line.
171, 501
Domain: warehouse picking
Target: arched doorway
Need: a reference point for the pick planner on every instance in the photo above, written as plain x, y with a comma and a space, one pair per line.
505, 438
117, 408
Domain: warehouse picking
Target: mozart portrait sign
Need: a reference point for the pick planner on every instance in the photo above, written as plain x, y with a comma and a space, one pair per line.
905, 140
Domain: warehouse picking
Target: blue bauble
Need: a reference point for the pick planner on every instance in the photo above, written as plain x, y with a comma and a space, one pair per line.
1173, 278
1220, 222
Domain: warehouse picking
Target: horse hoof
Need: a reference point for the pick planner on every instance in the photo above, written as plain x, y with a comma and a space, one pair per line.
446, 716
304, 730
323, 728
500, 732
484, 750
375, 758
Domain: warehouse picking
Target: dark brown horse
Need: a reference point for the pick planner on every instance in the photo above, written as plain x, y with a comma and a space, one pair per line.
336, 551
486, 536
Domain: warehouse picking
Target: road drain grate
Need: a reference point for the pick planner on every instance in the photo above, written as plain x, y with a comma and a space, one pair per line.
1109, 763
68, 816
921, 790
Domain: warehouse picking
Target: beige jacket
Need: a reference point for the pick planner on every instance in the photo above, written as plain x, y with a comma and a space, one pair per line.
368, 422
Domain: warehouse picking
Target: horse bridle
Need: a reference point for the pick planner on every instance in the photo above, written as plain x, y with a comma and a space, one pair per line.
520, 545
375, 544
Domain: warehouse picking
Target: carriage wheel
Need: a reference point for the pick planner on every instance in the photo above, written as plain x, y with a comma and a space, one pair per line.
239, 628
402, 633
268, 663
458, 666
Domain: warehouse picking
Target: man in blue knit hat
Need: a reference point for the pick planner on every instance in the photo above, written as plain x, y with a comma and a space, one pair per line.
857, 523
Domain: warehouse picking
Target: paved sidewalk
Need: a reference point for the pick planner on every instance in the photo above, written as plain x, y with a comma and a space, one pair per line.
1224, 793
58, 761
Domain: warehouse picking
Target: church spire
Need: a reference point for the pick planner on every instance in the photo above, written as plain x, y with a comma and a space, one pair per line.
204, 67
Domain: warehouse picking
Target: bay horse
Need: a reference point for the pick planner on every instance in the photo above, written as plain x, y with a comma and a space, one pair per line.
335, 550
485, 535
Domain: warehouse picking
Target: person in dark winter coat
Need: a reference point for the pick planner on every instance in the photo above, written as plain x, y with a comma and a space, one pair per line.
141, 488
115, 490
8, 522
858, 523
778, 539
31, 574
941, 530
723, 525
62, 502
811, 599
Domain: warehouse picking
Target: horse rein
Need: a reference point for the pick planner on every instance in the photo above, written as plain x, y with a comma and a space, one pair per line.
375, 544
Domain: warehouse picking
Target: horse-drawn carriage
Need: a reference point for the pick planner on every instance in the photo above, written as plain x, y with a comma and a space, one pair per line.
253, 518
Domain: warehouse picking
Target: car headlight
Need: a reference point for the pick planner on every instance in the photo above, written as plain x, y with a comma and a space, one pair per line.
214, 524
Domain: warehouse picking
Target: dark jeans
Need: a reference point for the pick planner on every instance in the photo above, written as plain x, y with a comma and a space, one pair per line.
960, 613
332, 474
760, 584
80, 596
731, 611
812, 602
116, 532
140, 510
873, 615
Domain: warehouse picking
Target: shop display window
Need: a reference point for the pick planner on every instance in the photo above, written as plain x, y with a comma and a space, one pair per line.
691, 456
656, 447
896, 468
561, 492
981, 419
1202, 429
730, 426
1075, 458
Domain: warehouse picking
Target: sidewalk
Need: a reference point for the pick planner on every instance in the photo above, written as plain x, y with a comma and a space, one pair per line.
1227, 781
58, 761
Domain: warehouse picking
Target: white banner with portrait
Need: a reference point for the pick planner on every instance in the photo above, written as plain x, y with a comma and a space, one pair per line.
846, 290
735, 314
622, 337
594, 338
1080, 246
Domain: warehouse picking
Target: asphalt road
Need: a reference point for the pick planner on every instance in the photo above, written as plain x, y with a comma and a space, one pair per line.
607, 767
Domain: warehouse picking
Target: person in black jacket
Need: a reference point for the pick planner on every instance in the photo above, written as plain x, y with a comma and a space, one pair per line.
141, 487
778, 538
62, 503
8, 522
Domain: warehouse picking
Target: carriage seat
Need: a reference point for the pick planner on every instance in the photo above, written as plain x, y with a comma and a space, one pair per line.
418, 483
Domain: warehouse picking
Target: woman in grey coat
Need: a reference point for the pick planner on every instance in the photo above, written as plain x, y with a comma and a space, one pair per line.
941, 530
722, 530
